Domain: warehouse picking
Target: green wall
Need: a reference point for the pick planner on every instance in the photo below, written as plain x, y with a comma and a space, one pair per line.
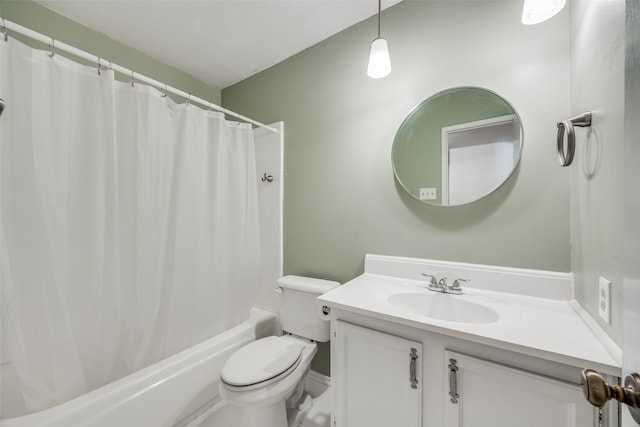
38, 18
341, 198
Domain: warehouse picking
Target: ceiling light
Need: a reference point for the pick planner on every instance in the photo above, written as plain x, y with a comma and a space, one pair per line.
536, 11
379, 62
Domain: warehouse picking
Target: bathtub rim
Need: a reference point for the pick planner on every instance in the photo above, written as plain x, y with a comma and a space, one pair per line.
116, 393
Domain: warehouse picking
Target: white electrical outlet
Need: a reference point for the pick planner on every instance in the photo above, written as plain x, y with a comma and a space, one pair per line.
428, 194
604, 299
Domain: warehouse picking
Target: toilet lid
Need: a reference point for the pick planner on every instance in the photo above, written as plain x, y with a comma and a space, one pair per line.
261, 361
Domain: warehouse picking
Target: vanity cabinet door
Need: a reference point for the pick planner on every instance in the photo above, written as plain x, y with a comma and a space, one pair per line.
376, 378
493, 395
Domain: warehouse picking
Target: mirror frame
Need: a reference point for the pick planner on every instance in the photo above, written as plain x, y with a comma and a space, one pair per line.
425, 102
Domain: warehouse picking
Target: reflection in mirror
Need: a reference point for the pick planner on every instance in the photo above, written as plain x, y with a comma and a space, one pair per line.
457, 146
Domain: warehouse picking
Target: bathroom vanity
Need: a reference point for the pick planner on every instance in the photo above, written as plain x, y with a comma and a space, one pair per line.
508, 351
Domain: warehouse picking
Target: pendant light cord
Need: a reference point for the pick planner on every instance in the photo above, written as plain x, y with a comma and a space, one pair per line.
379, 13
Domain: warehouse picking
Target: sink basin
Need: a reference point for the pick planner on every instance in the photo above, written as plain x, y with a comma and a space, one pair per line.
447, 307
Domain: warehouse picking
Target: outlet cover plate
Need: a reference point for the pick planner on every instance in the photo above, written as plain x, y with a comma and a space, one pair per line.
604, 299
428, 194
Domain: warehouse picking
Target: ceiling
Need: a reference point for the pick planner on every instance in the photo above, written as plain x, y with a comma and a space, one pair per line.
221, 42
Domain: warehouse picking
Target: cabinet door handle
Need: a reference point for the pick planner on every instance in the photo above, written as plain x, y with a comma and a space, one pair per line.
453, 381
412, 368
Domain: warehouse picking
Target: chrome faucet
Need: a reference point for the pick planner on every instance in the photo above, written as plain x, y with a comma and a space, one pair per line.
443, 286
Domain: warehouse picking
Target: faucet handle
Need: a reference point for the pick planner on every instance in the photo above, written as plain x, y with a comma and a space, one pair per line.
433, 279
456, 283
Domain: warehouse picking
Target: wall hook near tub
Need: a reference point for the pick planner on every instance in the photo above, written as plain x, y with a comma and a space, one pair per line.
267, 178
53, 48
565, 157
3, 30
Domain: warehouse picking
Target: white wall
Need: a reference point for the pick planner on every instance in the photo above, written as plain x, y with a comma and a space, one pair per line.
597, 84
269, 161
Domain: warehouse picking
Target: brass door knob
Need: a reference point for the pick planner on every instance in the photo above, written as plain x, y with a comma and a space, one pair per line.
598, 392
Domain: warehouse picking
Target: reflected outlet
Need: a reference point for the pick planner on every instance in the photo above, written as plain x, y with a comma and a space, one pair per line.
428, 194
604, 299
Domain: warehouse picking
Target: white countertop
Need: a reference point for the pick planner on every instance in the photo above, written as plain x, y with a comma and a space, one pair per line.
548, 328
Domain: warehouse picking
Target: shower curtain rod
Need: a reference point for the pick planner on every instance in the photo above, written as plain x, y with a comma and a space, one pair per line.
57, 45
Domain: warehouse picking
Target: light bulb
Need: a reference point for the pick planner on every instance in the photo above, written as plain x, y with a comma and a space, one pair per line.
379, 62
536, 11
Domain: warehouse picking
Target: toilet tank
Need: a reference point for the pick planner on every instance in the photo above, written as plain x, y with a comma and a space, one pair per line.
299, 310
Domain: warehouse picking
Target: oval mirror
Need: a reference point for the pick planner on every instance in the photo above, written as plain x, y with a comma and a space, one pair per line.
458, 146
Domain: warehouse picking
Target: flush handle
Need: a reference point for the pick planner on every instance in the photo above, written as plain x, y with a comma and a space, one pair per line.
598, 392
412, 368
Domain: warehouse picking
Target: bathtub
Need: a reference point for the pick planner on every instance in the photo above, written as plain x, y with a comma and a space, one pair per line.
176, 391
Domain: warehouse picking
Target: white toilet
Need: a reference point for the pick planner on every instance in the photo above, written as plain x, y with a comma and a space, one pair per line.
267, 375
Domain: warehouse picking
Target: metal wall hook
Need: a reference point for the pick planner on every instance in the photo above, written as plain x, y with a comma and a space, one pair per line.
267, 178
565, 157
53, 48
3, 29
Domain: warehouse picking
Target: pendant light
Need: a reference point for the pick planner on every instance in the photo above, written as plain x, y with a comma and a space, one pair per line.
536, 11
379, 62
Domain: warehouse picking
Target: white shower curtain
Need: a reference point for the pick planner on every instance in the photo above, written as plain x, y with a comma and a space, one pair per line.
128, 224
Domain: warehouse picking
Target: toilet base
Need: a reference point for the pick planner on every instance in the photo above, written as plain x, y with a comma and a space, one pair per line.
274, 415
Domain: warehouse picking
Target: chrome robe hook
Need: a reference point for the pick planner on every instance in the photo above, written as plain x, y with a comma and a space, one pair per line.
565, 157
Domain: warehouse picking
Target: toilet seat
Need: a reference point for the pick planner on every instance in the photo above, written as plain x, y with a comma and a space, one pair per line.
261, 363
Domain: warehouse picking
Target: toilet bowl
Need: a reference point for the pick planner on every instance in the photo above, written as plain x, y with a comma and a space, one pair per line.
263, 375
267, 375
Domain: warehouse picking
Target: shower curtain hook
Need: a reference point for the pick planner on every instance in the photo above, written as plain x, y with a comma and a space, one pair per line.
99, 66
164, 92
132, 79
189, 100
53, 48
